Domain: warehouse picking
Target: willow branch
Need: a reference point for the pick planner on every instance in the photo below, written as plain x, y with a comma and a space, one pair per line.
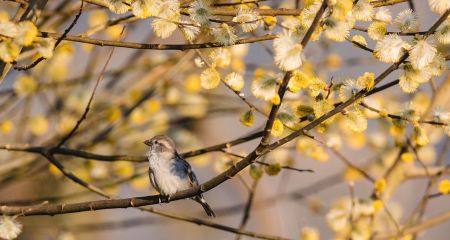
424, 225
355, 97
286, 167
58, 41
53, 209
272, 115
382, 3
283, 87
419, 211
153, 46
398, 117
134, 222
361, 46
421, 173
210, 224
263, 12
110, 158
361, 29
248, 207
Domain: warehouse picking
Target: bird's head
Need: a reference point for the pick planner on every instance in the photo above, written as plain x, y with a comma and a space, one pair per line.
160, 144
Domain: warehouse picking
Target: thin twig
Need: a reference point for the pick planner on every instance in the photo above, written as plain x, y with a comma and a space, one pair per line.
398, 117
72, 176
154, 46
88, 105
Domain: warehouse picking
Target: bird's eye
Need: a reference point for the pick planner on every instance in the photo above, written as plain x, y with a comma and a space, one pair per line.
156, 142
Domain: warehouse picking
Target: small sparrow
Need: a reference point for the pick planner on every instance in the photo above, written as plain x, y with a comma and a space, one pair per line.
169, 172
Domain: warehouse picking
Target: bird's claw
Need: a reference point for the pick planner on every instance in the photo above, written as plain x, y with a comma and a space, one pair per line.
164, 199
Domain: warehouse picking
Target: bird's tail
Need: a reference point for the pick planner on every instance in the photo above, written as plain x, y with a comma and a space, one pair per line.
205, 205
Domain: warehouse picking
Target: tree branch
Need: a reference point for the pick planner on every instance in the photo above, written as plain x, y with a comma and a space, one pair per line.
153, 46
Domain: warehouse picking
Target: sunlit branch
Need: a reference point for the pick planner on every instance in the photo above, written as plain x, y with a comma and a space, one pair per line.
398, 117
398, 33
424, 225
355, 97
154, 46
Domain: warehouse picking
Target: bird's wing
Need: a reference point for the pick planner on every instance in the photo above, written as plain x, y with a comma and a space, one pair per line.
194, 182
152, 179
191, 174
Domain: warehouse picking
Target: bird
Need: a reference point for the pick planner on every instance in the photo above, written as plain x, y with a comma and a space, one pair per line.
169, 173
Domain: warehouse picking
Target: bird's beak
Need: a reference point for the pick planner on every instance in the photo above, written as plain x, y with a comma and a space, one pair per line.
148, 142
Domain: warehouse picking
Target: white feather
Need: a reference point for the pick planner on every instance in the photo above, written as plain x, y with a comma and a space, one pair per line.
167, 182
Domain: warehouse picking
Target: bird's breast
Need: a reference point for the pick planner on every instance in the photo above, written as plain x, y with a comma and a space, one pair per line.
167, 182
